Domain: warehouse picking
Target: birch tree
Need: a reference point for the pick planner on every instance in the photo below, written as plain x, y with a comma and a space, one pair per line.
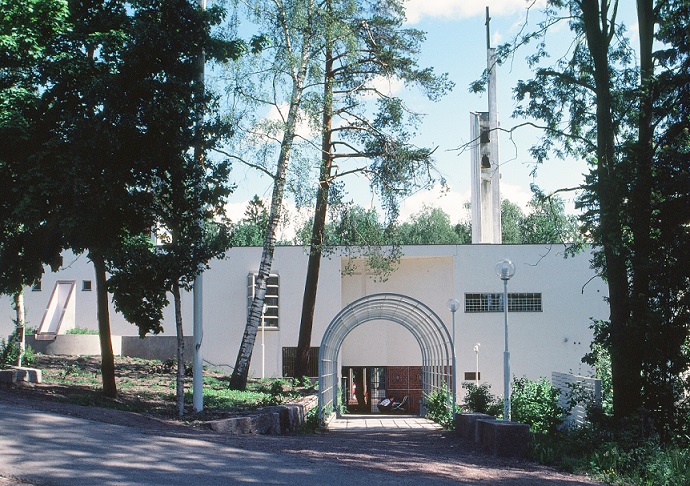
284, 67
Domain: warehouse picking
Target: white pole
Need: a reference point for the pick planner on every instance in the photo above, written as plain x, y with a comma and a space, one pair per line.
455, 371
476, 374
198, 379
263, 347
506, 356
453, 305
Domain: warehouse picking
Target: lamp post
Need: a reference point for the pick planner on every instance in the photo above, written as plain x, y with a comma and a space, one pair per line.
476, 374
454, 305
505, 269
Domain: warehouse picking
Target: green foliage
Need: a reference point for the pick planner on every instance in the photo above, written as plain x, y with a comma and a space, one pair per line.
600, 358
512, 218
82, 330
430, 226
546, 222
480, 400
169, 366
27, 240
251, 230
536, 403
9, 351
438, 409
306, 384
311, 423
602, 453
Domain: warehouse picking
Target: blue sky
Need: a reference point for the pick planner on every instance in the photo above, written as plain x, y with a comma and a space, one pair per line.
456, 44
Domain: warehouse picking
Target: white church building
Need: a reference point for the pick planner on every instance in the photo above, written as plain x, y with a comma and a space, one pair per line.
393, 336
551, 299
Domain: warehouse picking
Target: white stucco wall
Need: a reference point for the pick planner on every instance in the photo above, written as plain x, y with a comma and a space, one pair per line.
541, 342
420, 275
76, 268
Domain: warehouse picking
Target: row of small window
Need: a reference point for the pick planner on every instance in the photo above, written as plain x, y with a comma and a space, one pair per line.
517, 302
485, 302
85, 286
474, 303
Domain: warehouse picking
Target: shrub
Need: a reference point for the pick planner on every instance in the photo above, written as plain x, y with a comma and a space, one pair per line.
536, 403
480, 400
81, 330
9, 351
311, 421
438, 409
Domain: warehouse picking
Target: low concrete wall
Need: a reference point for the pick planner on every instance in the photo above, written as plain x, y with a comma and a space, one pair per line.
276, 420
150, 347
503, 438
73, 344
466, 424
156, 347
498, 437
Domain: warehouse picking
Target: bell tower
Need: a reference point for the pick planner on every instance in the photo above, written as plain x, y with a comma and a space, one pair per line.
485, 174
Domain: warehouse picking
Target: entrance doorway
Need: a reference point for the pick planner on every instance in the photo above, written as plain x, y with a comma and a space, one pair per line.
364, 386
426, 327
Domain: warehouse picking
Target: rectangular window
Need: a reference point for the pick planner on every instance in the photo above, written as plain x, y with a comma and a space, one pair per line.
270, 315
289, 355
517, 302
36, 287
86, 285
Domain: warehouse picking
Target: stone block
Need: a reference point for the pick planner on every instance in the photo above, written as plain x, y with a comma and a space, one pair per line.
503, 438
31, 375
15, 374
466, 424
275, 420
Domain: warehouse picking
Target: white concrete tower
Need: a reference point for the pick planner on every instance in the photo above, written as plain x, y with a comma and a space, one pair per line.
486, 194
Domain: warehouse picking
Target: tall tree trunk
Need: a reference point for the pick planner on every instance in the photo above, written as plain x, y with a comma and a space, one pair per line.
320, 213
641, 190
238, 379
625, 355
20, 326
180, 348
107, 356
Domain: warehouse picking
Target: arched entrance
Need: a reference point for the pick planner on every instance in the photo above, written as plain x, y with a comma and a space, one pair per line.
426, 327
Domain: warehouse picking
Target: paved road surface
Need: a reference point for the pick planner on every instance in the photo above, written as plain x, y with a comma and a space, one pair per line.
46, 448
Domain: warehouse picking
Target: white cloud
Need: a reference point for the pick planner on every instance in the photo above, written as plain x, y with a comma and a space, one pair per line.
292, 218
460, 9
280, 113
517, 194
387, 85
235, 210
452, 202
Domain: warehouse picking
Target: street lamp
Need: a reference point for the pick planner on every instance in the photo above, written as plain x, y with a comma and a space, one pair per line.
454, 305
476, 374
505, 269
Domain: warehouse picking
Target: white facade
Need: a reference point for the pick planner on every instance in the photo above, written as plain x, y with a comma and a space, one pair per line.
554, 339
